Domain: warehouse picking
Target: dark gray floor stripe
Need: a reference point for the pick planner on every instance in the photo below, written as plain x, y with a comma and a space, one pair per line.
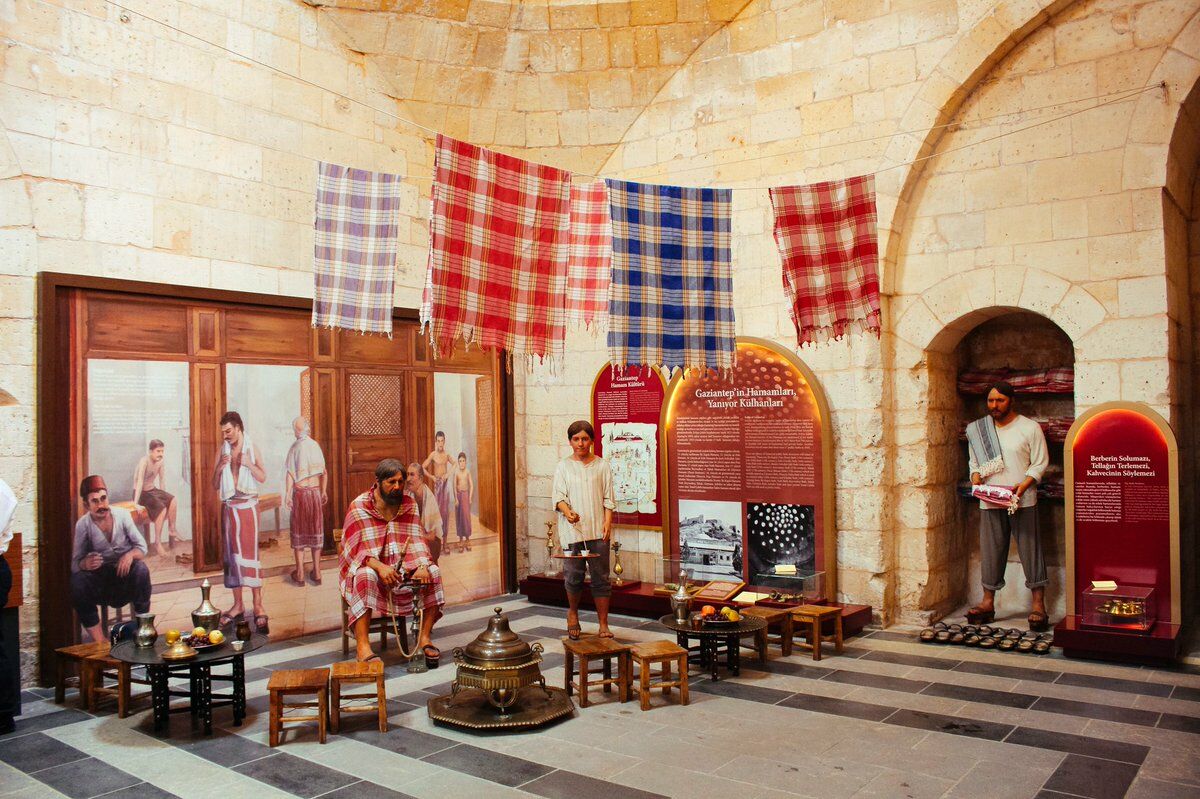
568, 785
1079, 745
365, 790
937, 722
1011, 672
984, 696
1092, 777
904, 659
1114, 684
868, 680
295, 775
838, 707
1172, 721
37, 751
1183, 692
46, 721
1091, 710
485, 764
83, 779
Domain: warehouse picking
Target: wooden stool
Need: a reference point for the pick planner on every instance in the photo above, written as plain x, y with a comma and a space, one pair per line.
666, 653
352, 672
93, 672
780, 616
811, 617
288, 682
73, 656
604, 650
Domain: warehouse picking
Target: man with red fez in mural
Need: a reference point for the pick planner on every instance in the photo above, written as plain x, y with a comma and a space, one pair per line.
384, 561
237, 476
107, 559
1008, 450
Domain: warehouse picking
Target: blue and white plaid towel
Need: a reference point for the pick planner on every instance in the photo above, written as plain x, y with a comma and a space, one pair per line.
354, 248
670, 302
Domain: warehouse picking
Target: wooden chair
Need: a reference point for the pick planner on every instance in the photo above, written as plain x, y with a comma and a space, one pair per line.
773, 616
379, 624
353, 672
809, 620
605, 650
667, 653
298, 682
71, 658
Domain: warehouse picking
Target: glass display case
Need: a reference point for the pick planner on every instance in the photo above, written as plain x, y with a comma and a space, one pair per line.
802, 588
668, 573
1127, 608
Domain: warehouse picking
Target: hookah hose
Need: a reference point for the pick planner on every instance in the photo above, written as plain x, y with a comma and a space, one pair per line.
418, 618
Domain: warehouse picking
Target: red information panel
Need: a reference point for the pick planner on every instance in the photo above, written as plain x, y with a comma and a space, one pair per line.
746, 472
1122, 509
625, 413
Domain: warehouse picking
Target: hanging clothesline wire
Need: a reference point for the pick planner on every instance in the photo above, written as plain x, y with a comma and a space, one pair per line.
1112, 99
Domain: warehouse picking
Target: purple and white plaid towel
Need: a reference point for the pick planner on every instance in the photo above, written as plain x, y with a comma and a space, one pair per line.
354, 248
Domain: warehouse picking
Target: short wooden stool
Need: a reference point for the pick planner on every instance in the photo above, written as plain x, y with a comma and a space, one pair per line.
779, 616
809, 618
664, 652
353, 672
290, 682
99, 666
71, 658
604, 650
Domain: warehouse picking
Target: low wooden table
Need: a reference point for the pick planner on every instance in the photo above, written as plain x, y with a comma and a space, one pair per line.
712, 638
200, 696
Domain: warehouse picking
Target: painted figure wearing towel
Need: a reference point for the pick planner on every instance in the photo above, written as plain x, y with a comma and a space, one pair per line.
1008, 449
237, 476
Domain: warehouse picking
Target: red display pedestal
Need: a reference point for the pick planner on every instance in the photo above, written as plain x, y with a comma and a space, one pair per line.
639, 599
1160, 645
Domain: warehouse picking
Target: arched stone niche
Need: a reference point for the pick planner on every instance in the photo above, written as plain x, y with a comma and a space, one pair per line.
936, 542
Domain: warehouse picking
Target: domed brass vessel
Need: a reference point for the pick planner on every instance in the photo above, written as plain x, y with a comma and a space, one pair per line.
499, 684
498, 663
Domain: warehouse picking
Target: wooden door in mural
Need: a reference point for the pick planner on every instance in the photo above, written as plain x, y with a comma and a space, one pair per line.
377, 425
207, 405
485, 437
323, 400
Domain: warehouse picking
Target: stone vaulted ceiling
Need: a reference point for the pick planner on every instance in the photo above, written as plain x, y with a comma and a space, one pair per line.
570, 76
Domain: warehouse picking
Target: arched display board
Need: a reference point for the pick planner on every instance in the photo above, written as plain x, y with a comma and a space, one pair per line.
626, 413
1122, 495
749, 472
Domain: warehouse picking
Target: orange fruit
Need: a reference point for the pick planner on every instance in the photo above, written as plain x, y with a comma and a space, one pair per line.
708, 610
199, 632
172, 636
216, 637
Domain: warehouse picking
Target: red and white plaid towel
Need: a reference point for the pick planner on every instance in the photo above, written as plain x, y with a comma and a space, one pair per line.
498, 248
827, 240
589, 267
